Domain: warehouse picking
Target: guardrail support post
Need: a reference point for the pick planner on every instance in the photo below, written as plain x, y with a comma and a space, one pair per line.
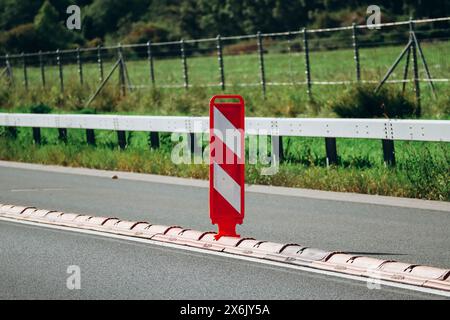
277, 149
80, 65
37, 135
220, 59
90, 137
150, 62
25, 73
42, 67
261, 63
356, 52
154, 140
388, 152
307, 65
122, 139
62, 135
192, 143
184, 64
60, 69
330, 147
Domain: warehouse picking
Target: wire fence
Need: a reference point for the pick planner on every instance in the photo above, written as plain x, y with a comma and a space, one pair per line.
307, 57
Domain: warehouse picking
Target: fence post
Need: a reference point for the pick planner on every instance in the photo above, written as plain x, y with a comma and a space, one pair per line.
37, 135
122, 139
356, 52
388, 152
121, 71
150, 62
60, 68
261, 63
80, 65
184, 63
415, 70
220, 58
25, 73
8, 70
307, 66
100, 62
330, 147
41, 65
62, 135
154, 140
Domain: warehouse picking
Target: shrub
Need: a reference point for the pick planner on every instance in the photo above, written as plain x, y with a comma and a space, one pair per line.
242, 47
142, 32
427, 171
363, 102
40, 108
87, 111
19, 39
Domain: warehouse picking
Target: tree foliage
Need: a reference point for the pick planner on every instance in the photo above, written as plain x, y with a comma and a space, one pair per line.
116, 20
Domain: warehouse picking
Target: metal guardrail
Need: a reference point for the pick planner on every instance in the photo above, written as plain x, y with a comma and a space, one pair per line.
391, 129
386, 130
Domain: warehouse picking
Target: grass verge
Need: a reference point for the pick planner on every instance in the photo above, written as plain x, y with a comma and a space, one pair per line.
422, 170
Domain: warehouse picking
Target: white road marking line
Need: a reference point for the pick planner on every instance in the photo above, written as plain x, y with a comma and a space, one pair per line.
272, 190
224, 254
38, 189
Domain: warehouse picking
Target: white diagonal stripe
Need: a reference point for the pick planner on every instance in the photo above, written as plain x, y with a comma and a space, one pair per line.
228, 131
227, 187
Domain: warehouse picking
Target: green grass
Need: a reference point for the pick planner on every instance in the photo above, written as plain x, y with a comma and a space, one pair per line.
421, 171
326, 65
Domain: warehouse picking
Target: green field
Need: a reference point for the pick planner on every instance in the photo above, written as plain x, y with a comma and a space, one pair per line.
326, 65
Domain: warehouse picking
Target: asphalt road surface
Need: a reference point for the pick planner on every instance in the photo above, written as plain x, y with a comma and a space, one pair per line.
34, 260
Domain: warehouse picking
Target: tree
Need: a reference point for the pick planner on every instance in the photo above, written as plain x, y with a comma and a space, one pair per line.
16, 12
105, 16
50, 31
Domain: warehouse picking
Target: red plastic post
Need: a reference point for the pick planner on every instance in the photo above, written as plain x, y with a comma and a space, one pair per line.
227, 163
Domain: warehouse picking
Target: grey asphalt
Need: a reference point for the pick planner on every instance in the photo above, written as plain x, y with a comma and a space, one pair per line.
34, 260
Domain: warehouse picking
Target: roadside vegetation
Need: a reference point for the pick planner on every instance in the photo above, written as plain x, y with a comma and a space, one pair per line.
280, 101
422, 169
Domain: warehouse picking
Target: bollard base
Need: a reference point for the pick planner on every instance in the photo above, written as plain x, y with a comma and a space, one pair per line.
226, 230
